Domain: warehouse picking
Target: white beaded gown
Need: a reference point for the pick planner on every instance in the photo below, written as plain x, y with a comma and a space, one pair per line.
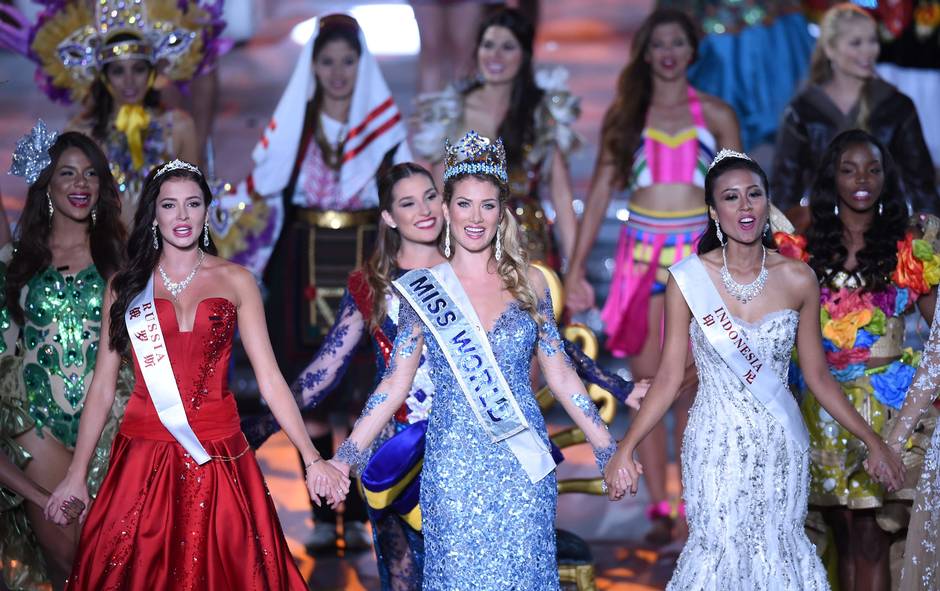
745, 481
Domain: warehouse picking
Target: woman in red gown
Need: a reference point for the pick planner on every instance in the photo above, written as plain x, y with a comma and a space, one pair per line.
184, 504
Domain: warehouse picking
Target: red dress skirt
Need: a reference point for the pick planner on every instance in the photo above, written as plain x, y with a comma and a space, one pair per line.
161, 521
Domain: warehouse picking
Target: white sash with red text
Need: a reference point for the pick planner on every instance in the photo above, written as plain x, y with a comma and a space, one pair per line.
146, 336
728, 339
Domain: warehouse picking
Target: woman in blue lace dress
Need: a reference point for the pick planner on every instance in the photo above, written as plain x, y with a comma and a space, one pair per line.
488, 491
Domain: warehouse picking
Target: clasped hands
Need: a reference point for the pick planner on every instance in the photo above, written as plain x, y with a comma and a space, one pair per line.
884, 465
327, 480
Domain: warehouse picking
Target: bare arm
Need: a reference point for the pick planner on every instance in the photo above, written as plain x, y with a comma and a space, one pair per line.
184, 138
95, 412
561, 195
723, 122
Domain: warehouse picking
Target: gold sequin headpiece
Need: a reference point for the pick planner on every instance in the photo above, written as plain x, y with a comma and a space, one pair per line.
727, 153
475, 154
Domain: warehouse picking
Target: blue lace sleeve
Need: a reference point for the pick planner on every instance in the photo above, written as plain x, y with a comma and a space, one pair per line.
322, 375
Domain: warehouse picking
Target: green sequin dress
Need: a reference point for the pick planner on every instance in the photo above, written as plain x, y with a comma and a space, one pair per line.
46, 367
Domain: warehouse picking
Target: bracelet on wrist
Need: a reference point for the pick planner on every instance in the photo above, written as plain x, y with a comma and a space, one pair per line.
312, 462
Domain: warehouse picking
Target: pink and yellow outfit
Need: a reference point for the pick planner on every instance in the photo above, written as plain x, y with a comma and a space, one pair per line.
653, 240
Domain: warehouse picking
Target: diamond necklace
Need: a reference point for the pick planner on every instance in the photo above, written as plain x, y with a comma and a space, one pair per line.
176, 289
743, 293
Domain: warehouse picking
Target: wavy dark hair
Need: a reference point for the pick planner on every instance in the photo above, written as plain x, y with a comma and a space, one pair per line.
825, 239
383, 264
33, 231
99, 106
708, 241
518, 127
142, 257
624, 121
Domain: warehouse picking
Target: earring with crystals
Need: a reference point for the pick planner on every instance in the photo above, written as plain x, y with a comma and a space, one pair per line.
447, 240
499, 247
767, 227
94, 216
156, 243
205, 233
719, 233
881, 207
51, 209
835, 209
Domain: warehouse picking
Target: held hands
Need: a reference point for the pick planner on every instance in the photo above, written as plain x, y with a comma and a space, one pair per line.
68, 502
325, 481
640, 389
579, 295
622, 474
884, 465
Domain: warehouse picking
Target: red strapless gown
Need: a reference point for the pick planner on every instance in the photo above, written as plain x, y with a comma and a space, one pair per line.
161, 521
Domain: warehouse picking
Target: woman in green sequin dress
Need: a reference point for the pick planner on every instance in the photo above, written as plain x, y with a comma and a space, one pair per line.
69, 240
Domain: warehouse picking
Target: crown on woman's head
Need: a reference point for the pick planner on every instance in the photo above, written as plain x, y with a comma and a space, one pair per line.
475, 154
177, 165
727, 153
31, 156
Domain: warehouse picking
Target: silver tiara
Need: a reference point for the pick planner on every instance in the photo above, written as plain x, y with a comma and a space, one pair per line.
31, 156
177, 165
728, 153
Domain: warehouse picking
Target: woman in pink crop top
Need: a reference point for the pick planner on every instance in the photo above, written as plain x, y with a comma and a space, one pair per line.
658, 138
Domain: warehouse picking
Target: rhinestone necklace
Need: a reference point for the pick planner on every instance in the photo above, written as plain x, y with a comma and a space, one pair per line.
743, 293
176, 289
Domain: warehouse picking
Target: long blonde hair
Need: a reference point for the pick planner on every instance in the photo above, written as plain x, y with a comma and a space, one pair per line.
830, 27
513, 265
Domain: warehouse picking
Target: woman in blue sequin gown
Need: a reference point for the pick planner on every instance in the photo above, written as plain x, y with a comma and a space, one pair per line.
487, 525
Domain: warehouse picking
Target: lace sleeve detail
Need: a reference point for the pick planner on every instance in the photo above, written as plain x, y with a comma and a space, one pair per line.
592, 373
321, 376
923, 390
566, 386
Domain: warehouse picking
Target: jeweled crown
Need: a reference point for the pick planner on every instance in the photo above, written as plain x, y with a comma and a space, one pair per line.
31, 156
727, 153
177, 165
475, 154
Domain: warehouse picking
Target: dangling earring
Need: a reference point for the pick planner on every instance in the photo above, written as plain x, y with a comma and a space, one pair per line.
94, 216
499, 247
156, 243
51, 209
881, 207
835, 209
767, 227
447, 240
205, 233
718, 232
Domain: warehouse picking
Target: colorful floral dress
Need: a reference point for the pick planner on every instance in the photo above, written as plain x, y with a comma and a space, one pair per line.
859, 325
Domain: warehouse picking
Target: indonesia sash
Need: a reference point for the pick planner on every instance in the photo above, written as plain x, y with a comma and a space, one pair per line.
727, 338
143, 326
439, 300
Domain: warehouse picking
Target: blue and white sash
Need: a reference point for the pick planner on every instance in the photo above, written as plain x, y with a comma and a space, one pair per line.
440, 301
146, 336
727, 338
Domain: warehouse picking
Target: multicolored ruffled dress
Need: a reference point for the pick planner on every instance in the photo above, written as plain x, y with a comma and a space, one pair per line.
859, 325
46, 366
439, 116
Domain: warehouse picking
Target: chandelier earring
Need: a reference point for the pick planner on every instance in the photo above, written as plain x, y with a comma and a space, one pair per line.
499, 247
447, 239
205, 233
94, 216
718, 232
156, 242
51, 209
835, 209
881, 207
767, 227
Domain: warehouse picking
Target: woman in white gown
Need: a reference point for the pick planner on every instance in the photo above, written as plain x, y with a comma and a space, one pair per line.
744, 454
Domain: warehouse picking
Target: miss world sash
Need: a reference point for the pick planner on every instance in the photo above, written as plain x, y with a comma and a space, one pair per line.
439, 300
727, 338
146, 336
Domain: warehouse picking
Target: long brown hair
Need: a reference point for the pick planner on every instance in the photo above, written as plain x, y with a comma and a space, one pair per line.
106, 235
382, 266
820, 68
626, 117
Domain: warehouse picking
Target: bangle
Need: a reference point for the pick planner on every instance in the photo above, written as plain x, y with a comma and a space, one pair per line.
310, 463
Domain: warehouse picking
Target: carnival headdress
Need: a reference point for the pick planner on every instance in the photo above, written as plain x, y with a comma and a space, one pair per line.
74, 39
727, 153
31, 156
475, 154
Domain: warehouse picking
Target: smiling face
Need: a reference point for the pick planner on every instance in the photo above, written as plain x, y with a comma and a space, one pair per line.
74, 185
499, 55
474, 213
669, 52
860, 177
181, 212
741, 205
854, 49
417, 210
129, 81
336, 67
